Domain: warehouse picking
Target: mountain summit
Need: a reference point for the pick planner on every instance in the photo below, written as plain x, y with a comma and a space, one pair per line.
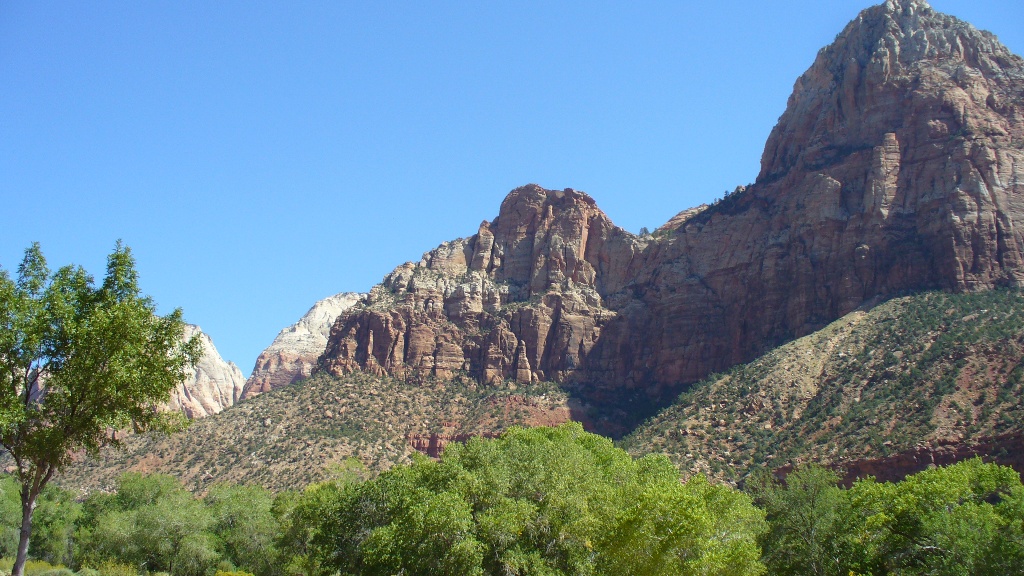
897, 166
899, 67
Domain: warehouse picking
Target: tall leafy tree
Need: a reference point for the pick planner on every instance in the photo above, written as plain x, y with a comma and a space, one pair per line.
810, 520
958, 520
78, 361
153, 523
244, 521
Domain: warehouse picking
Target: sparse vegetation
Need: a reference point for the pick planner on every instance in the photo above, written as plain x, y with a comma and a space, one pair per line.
287, 438
926, 368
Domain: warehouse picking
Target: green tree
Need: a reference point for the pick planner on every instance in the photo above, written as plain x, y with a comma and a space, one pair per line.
541, 501
958, 520
243, 519
153, 523
809, 519
964, 519
10, 515
301, 516
54, 522
77, 361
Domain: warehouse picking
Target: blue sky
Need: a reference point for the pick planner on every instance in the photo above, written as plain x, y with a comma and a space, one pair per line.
260, 156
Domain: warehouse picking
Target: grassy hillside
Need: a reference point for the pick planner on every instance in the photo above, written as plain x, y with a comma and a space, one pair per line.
290, 437
909, 371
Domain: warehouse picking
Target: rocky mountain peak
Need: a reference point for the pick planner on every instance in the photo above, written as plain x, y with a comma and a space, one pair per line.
899, 67
544, 238
905, 6
897, 166
212, 386
293, 354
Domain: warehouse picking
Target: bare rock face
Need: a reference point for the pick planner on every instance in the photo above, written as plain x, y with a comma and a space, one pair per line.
1004, 449
214, 384
898, 165
522, 300
293, 354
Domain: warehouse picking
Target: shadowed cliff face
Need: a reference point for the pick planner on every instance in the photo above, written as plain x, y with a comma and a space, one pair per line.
897, 166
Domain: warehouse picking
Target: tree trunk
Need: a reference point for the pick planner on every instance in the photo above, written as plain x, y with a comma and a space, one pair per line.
28, 503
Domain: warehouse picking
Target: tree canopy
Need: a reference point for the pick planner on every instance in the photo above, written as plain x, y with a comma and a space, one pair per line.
534, 501
967, 518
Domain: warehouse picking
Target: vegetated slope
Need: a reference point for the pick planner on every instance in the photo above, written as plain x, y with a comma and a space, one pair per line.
917, 370
289, 437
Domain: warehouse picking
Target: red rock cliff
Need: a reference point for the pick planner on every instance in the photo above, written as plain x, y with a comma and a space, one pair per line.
897, 166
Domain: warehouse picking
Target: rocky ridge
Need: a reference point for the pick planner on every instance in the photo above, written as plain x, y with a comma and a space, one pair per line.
521, 301
294, 352
212, 386
897, 166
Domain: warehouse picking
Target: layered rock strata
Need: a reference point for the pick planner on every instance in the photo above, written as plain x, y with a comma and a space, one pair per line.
522, 300
294, 353
1004, 449
212, 386
896, 166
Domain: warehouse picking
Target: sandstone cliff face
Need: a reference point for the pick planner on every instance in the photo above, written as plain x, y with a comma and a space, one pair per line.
212, 386
293, 354
897, 166
1005, 450
522, 300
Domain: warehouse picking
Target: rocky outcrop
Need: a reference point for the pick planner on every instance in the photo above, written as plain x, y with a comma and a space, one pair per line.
1004, 449
433, 444
521, 301
212, 386
897, 166
293, 354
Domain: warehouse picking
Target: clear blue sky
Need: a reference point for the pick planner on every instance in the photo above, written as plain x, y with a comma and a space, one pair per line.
260, 156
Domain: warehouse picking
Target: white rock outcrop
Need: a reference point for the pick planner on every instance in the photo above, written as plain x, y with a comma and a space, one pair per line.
294, 353
214, 385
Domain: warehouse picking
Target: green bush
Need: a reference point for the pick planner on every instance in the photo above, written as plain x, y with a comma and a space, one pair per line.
36, 568
111, 568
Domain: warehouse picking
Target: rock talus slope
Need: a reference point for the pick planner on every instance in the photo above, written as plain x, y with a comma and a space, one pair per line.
896, 166
293, 354
212, 386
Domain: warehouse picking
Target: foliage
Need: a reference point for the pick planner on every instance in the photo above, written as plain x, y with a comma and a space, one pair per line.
959, 520
537, 501
77, 360
809, 521
56, 517
244, 521
155, 524
558, 501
